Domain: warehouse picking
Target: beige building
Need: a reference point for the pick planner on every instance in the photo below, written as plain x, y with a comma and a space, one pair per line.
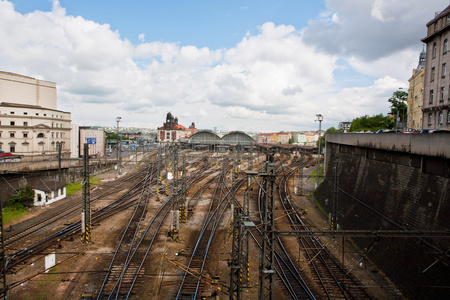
415, 94
283, 137
96, 139
436, 109
30, 124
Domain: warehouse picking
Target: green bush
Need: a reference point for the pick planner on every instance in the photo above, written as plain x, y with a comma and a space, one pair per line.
24, 197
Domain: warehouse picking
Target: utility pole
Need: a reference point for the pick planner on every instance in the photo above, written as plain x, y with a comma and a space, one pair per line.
59, 162
159, 161
267, 266
86, 208
320, 119
119, 148
240, 266
174, 226
3, 260
333, 225
183, 190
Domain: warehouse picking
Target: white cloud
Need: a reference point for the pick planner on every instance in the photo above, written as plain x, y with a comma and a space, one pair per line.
270, 81
370, 29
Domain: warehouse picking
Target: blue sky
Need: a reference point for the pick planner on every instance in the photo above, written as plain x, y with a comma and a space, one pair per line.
235, 65
212, 24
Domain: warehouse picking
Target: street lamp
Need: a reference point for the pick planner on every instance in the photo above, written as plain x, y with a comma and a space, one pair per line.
119, 158
320, 119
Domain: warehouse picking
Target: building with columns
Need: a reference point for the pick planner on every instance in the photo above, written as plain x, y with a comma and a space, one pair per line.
30, 123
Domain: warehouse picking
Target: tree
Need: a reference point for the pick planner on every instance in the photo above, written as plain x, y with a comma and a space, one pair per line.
373, 123
23, 197
398, 104
322, 138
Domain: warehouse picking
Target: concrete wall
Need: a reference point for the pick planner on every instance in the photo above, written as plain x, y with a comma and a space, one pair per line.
434, 144
394, 181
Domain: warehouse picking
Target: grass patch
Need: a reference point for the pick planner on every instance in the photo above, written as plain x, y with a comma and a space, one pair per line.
10, 213
313, 176
319, 206
74, 187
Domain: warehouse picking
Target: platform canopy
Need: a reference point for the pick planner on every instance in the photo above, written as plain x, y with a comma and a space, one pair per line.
208, 137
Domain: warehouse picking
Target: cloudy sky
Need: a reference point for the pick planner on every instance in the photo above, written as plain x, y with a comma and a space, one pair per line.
255, 65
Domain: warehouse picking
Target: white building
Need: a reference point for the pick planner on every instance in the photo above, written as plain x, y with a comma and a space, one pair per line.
30, 124
75, 141
96, 140
48, 192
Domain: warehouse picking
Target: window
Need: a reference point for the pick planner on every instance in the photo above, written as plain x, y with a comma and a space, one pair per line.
25, 123
441, 99
11, 134
436, 26
53, 135
430, 118
12, 123
431, 96
441, 118
445, 46
448, 116
433, 72
37, 114
40, 135
45, 115
25, 135
448, 20
12, 148
434, 50
25, 113
12, 112
57, 135
444, 69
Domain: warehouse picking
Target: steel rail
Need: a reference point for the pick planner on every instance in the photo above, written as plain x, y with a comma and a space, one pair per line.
190, 284
327, 260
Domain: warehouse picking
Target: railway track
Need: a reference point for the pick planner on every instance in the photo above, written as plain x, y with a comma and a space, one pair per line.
335, 281
285, 268
130, 263
129, 260
25, 234
125, 201
191, 282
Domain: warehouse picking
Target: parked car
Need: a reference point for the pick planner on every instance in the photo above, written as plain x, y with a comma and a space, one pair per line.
4, 154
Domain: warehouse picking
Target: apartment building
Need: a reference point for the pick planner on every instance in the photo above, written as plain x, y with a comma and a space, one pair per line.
436, 99
415, 94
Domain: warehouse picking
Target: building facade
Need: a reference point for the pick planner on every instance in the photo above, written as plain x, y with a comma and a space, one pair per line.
415, 94
171, 131
96, 139
436, 109
299, 138
30, 124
